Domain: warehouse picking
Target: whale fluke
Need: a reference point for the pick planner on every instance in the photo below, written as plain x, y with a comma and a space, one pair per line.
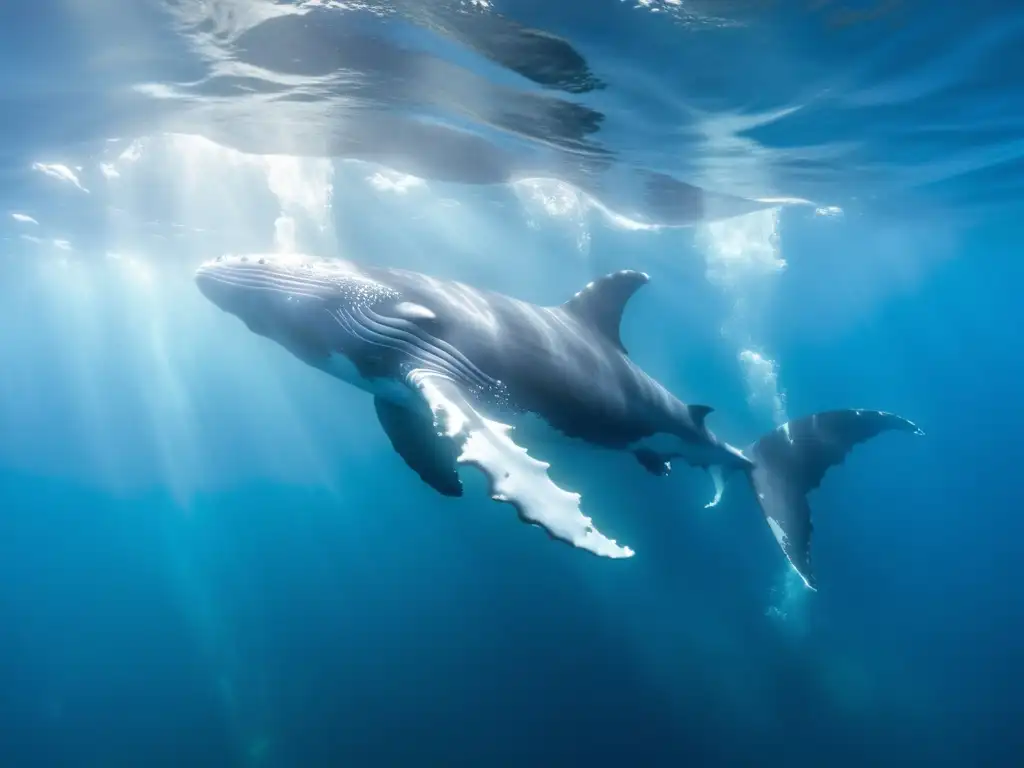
791, 461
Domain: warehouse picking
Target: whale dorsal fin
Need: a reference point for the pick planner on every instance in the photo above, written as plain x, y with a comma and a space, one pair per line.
699, 413
600, 303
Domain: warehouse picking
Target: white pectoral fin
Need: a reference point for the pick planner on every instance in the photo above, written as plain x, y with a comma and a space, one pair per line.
515, 477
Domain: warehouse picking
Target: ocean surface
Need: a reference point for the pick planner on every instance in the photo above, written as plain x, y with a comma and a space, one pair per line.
210, 555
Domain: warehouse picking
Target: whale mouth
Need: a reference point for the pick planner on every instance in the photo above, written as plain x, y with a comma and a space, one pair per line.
210, 283
206, 280
228, 280
285, 296
219, 284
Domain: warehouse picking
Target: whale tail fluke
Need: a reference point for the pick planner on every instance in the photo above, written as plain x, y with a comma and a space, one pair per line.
791, 461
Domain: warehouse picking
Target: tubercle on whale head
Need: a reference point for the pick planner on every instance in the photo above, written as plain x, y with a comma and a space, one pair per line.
252, 264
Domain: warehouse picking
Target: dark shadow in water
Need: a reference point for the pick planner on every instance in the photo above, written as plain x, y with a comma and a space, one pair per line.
676, 203
364, 96
537, 55
437, 152
332, 84
321, 44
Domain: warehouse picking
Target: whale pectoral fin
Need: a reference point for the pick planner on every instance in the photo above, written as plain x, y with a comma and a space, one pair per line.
416, 439
659, 464
515, 477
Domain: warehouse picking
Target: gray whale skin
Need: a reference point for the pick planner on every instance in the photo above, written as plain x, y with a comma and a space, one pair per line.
454, 370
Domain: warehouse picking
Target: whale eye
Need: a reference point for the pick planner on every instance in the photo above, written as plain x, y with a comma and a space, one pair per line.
262, 261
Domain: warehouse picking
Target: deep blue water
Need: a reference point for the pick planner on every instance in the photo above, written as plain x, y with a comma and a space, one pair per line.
211, 556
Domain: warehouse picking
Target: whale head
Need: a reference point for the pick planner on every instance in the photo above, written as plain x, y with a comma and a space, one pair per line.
301, 302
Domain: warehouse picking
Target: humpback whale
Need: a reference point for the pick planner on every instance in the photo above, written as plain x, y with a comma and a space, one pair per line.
453, 370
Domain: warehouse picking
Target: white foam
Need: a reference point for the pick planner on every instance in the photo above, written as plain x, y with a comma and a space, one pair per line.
683, 12
211, 26
299, 183
789, 600
559, 199
742, 255
284, 234
762, 378
387, 180
59, 172
743, 249
718, 478
213, 184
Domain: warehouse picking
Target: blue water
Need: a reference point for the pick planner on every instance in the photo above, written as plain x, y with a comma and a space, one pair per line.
210, 554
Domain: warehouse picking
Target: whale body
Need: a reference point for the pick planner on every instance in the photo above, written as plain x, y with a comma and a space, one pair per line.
453, 369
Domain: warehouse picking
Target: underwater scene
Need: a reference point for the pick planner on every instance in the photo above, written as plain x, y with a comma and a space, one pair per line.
511, 383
